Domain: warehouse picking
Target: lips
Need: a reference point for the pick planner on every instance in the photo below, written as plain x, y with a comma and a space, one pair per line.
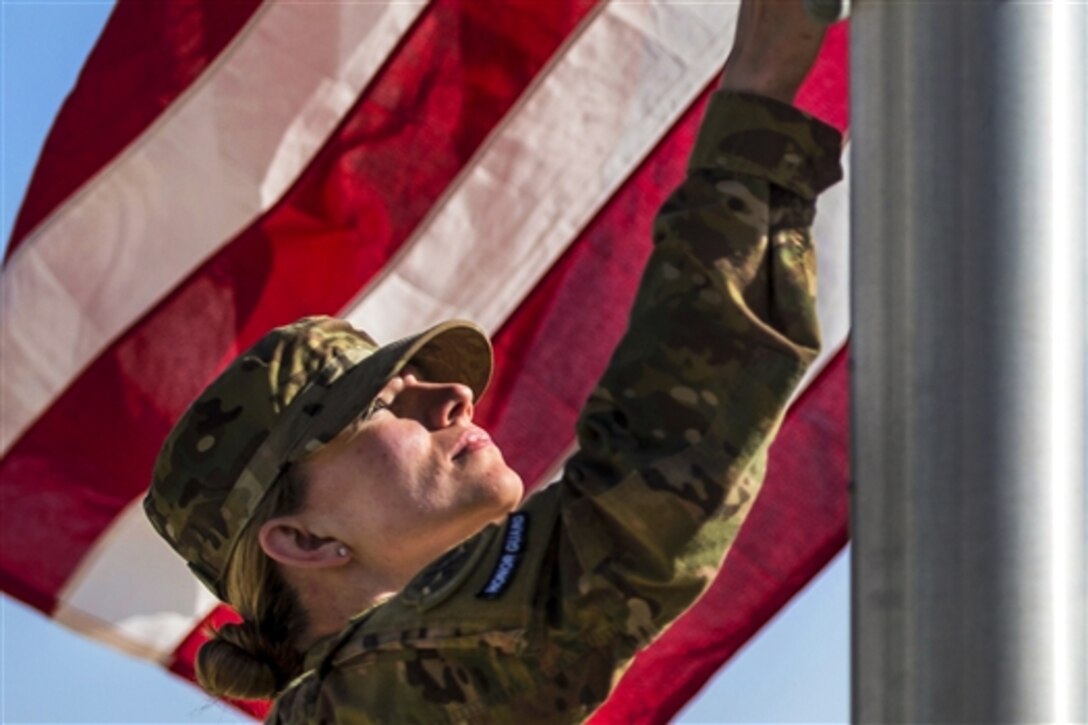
470, 441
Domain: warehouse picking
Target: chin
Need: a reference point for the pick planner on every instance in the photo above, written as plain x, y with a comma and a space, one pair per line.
502, 493
516, 491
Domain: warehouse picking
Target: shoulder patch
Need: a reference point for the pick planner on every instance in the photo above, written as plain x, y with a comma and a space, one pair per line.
513, 545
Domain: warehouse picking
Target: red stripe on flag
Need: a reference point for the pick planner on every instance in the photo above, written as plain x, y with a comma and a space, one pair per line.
457, 73
148, 55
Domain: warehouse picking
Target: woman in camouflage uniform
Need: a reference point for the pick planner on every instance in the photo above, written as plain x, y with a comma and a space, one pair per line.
338, 495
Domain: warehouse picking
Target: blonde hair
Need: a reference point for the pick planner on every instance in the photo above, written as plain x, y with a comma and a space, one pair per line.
257, 658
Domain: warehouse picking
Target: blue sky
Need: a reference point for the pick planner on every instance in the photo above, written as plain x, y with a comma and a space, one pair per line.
796, 670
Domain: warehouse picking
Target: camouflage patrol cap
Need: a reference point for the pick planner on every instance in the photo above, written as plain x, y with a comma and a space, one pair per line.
278, 402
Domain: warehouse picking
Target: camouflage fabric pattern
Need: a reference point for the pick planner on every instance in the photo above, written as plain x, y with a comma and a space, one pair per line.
672, 448
292, 392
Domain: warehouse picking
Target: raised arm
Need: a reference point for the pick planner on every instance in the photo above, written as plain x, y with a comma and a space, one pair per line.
674, 439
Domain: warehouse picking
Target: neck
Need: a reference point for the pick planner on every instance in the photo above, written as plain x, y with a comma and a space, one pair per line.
331, 597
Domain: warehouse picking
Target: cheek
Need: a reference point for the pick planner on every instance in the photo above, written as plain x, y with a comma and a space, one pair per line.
394, 456
398, 466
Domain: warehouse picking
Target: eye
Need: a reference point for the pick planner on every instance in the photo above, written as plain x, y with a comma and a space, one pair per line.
377, 405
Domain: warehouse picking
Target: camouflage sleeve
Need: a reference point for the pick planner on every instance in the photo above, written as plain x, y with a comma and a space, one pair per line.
674, 438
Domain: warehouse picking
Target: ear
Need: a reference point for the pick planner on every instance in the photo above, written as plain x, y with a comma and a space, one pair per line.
286, 540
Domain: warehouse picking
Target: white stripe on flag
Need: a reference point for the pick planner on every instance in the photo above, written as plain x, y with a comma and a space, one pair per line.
603, 104
208, 167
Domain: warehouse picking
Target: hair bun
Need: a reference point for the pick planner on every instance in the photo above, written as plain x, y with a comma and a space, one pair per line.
235, 663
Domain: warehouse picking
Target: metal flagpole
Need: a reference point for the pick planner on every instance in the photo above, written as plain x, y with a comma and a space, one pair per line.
969, 365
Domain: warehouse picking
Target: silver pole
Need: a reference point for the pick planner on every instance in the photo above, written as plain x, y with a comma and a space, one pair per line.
969, 328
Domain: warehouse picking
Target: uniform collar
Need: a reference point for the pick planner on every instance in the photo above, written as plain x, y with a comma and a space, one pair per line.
320, 650
433, 584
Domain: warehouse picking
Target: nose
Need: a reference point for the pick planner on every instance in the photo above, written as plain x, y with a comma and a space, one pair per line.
454, 406
442, 405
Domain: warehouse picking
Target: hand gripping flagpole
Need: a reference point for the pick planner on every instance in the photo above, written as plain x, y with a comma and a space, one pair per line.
969, 275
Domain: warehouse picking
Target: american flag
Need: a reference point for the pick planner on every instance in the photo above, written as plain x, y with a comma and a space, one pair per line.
222, 168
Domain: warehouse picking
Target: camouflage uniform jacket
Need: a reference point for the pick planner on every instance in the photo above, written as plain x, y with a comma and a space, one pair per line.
535, 620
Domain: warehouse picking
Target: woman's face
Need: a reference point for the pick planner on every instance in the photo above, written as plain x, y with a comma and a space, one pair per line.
413, 479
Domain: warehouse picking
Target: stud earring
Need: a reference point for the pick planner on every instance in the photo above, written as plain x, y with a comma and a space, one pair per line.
342, 551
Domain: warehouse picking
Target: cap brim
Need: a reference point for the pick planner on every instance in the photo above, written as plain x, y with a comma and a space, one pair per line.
455, 351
